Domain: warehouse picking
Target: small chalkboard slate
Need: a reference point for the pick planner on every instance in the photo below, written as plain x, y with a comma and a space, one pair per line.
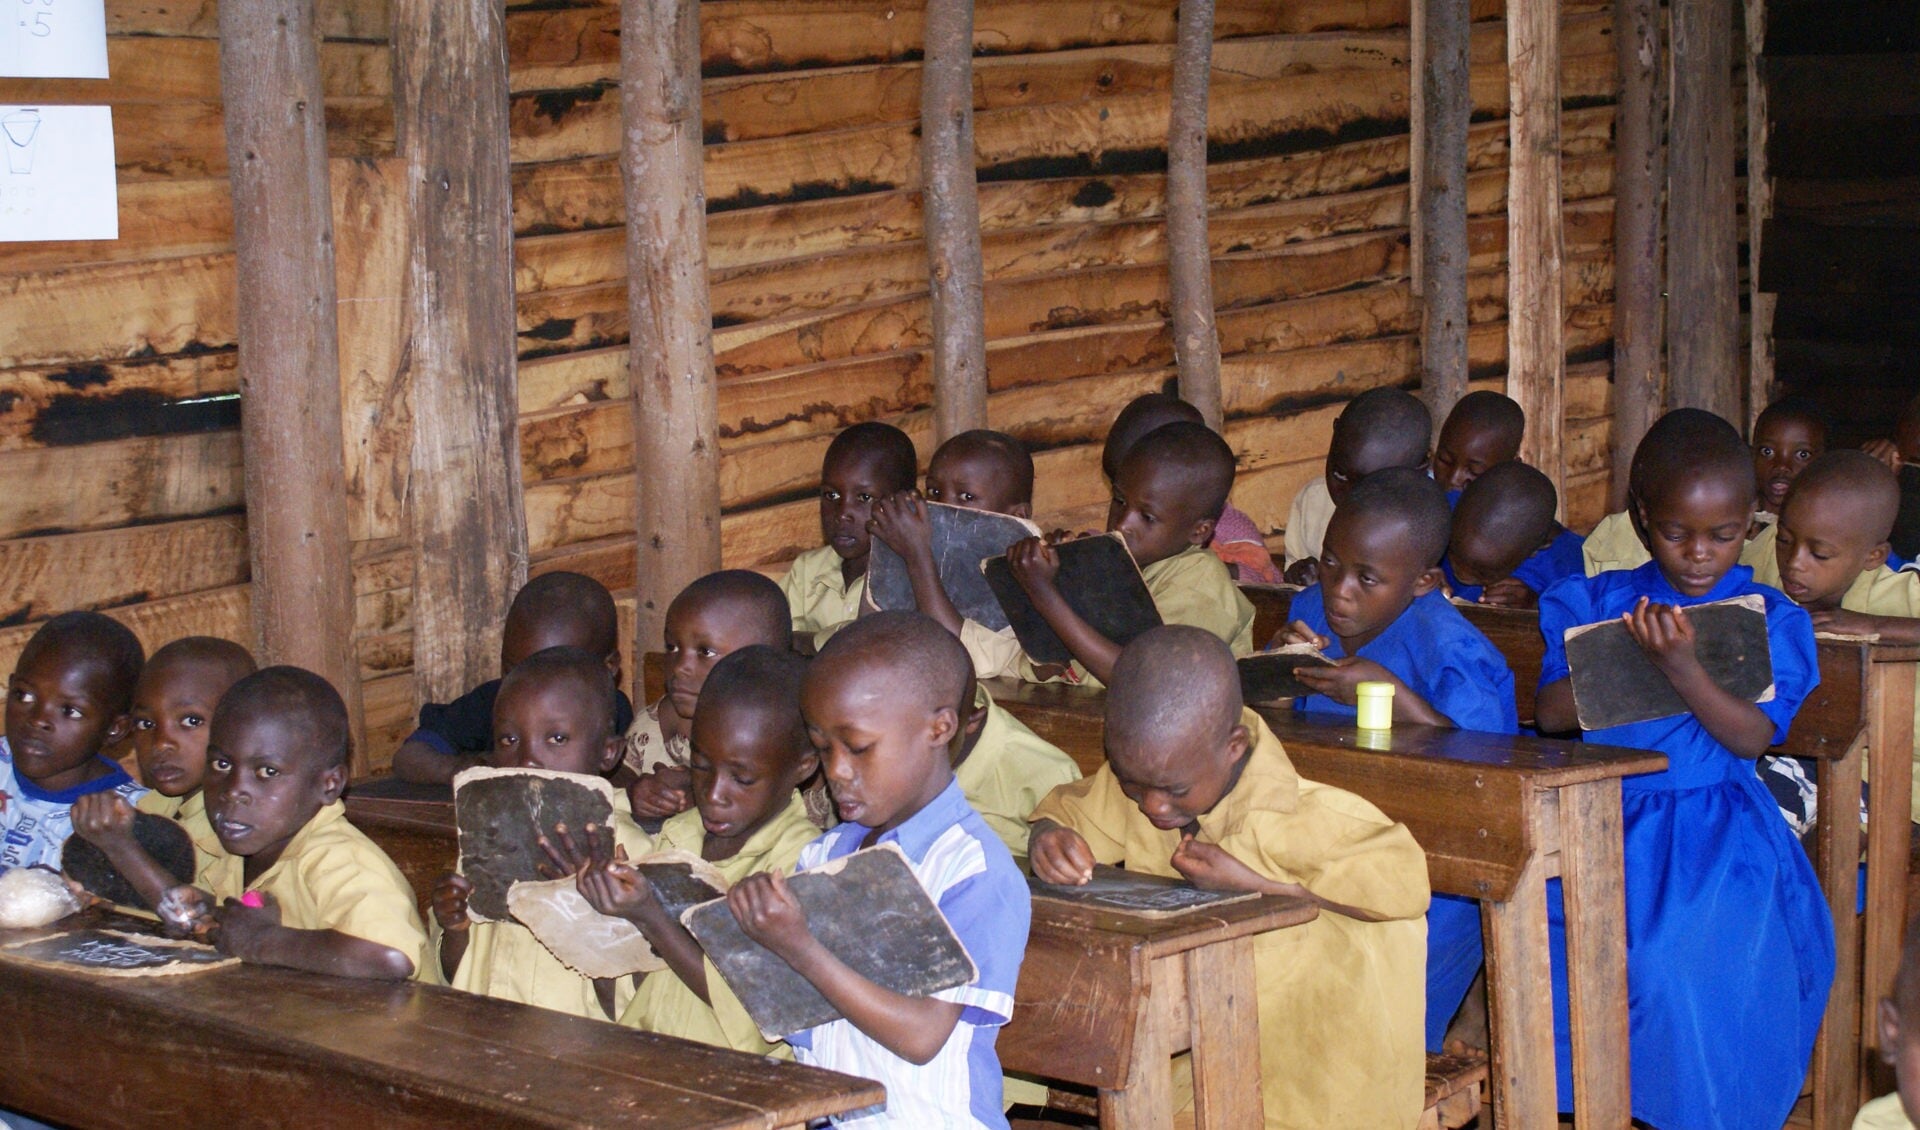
1615, 684
1099, 581
164, 840
1133, 892
869, 910
117, 954
501, 815
598, 945
1906, 525
1269, 675
962, 539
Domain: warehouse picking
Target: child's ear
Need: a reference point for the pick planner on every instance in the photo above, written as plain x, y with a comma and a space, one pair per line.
1021, 510
804, 767
1427, 581
333, 782
117, 730
1239, 745
1202, 532
1889, 1030
1876, 557
943, 725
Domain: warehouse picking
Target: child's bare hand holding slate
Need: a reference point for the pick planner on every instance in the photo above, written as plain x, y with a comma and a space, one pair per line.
1212, 868
1666, 635
1059, 855
901, 522
664, 792
1339, 682
449, 903
616, 888
1036, 566
105, 820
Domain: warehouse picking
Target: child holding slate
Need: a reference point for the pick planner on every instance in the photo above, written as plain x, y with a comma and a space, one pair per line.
1171, 488
1712, 871
1618, 541
554, 711
1483, 431
172, 710
711, 619
1195, 785
1380, 428
1506, 549
750, 754
879, 704
865, 463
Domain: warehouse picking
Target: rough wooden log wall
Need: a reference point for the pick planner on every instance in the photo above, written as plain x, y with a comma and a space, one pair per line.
117, 367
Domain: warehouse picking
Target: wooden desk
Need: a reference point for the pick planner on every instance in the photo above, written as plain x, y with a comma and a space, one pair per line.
1498, 816
253, 1045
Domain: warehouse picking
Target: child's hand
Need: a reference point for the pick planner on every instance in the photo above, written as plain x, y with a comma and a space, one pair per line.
1509, 592
185, 910
1212, 868
616, 888
661, 792
901, 521
449, 901
1339, 682
1886, 451
1034, 564
1060, 855
768, 913
567, 856
102, 819
1304, 572
1298, 632
1836, 621
1664, 633
242, 931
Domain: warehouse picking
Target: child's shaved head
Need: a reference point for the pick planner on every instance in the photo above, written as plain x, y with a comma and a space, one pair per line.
1197, 454
1502, 518
1795, 408
923, 660
1854, 485
889, 449
991, 469
583, 673
560, 610
228, 659
1493, 413
1405, 497
104, 646
1688, 444
1484, 430
1173, 687
1143, 414
1380, 428
1899, 1016
297, 700
752, 602
760, 684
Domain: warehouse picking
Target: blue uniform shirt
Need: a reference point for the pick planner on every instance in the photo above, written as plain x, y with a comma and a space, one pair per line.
1560, 558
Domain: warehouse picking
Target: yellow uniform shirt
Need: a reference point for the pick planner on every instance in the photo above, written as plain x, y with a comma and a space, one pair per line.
1342, 1002
1883, 1113
663, 1003
332, 877
1307, 520
506, 961
649, 747
1192, 587
1613, 545
1009, 770
993, 653
190, 812
819, 596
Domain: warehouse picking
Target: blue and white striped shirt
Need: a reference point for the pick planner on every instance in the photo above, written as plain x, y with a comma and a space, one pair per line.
969, 874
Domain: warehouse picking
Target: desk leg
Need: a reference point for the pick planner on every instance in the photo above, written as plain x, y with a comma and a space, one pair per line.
1147, 1101
1890, 697
1520, 993
1592, 882
1223, 1005
1836, 858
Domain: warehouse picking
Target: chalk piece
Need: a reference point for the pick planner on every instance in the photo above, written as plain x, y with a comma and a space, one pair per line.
962, 539
1906, 526
1149, 896
598, 945
1615, 684
164, 840
501, 815
116, 953
254, 899
1269, 676
1099, 580
869, 910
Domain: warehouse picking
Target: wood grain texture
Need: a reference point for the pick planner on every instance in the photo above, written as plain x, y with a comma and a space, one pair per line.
1440, 201
950, 201
1703, 272
1535, 239
1638, 180
1196, 344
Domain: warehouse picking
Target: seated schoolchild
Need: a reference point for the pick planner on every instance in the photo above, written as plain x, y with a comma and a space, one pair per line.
879, 704
1195, 785
1788, 435
1904, 445
1171, 488
750, 753
552, 610
1899, 1019
977, 470
1004, 768
712, 618
1483, 430
1711, 869
67, 700
1618, 541
865, 463
172, 710
331, 900
1381, 428
554, 711
1506, 548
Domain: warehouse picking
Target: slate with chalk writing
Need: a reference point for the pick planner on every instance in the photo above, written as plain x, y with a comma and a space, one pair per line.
1615, 684
164, 841
501, 815
1133, 892
962, 539
118, 954
869, 910
1100, 582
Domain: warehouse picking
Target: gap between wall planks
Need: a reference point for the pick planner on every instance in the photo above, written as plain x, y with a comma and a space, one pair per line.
955, 276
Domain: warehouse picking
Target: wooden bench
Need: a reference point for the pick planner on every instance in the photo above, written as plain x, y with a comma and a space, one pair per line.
255, 1045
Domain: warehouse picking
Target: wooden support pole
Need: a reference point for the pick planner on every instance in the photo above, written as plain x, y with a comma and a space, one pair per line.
1760, 307
1639, 173
1536, 361
955, 273
670, 358
469, 524
1196, 343
290, 434
1703, 248
1444, 99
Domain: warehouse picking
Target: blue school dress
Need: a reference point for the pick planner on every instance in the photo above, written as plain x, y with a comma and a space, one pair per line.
1452, 665
1559, 558
1729, 943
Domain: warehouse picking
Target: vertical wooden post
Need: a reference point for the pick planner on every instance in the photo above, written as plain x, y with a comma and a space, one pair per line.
1416, 140
290, 430
1536, 360
670, 359
1445, 99
1639, 172
1196, 342
1760, 306
469, 524
1703, 249
950, 199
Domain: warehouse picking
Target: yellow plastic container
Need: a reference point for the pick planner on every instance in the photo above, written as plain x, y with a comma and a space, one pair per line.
1376, 705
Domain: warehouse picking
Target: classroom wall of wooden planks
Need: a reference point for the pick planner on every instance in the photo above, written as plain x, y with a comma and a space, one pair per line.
119, 401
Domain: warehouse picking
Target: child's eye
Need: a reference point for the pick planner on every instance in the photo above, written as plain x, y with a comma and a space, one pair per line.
1818, 556
967, 496
193, 721
143, 724
1803, 456
557, 739
269, 772
863, 497
23, 695
70, 711
745, 782
830, 495
709, 652
219, 764
1766, 452
859, 751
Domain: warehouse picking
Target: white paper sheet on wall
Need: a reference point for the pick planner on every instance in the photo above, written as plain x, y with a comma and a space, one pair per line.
53, 39
56, 173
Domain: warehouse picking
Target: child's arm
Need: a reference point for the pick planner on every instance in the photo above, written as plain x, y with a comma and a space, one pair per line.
449, 899
1890, 629
1212, 868
1553, 709
422, 764
1059, 854
902, 523
913, 1028
1035, 565
254, 933
1666, 635
105, 820
1339, 681
1509, 592
665, 790
620, 891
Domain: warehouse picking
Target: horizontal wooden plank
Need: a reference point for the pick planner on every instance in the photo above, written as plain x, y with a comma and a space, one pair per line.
44, 576
222, 613
160, 140
168, 69
86, 314
159, 219
1842, 200
115, 484
334, 19
91, 402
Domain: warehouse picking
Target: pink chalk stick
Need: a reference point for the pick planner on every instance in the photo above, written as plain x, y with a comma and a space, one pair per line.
253, 898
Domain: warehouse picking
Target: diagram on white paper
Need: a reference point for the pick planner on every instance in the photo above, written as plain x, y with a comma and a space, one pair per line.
53, 39
59, 179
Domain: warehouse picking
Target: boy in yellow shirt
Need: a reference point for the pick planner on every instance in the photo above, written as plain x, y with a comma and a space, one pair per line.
865, 463
750, 754
1195, 785
555, 711
1004, 768
1170, 491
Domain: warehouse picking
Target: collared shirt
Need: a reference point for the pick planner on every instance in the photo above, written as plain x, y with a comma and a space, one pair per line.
1307, 521
1007, 772
819, 596
1883, 1113
190, 812
35, 823
972, 878
1431, 648
1561, 557
649, 747
1614, 545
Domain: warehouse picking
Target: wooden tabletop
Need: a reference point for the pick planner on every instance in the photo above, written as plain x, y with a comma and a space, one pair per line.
263, 1046
1548, 762
1175, 933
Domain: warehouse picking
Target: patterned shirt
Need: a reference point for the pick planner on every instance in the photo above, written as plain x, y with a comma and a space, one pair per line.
35, 823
